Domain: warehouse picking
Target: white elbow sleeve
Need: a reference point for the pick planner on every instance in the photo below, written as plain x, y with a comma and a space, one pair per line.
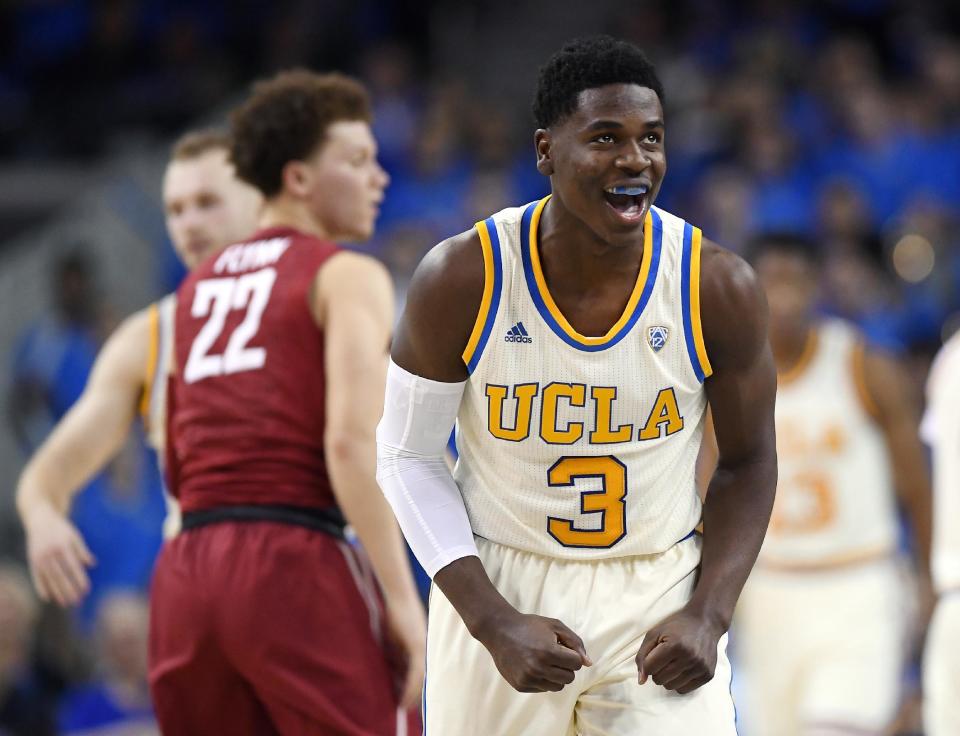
418, 416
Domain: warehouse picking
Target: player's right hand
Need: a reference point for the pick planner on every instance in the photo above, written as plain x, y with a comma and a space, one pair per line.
58, 558
535, 654
408, 629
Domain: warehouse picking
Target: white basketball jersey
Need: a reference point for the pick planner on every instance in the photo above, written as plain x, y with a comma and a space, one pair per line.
941, 430
583, 447
153, 407
835, 497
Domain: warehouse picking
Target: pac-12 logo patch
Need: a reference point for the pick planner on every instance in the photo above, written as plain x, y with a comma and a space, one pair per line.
657, 337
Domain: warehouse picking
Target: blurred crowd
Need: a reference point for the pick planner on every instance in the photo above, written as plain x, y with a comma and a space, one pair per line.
840, 122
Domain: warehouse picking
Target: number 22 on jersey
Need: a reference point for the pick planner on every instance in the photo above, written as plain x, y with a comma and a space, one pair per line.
215, 299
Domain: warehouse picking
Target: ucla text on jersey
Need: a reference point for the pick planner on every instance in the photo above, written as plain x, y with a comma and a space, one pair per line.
574, 445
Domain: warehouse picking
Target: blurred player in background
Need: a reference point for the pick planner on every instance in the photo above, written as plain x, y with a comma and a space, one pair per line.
821, 628
206, 208
565, 339
264, 619
941, 430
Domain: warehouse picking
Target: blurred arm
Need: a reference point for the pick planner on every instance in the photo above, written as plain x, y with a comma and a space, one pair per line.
897, 413
90, 434
352, 302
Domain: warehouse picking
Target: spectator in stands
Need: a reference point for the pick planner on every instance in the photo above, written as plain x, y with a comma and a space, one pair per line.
118, 699
53, 356
24, 707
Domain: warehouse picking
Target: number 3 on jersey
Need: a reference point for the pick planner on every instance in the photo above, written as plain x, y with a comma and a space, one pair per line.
215, 299
609, 501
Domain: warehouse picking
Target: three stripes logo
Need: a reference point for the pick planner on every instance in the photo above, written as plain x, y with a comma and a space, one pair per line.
518, 333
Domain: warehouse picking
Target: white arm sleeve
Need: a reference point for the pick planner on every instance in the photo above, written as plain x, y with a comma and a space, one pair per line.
418, 416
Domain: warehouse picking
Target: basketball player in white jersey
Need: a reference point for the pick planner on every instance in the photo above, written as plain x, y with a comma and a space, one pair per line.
206, 208
941, 430
577, 341
821, 632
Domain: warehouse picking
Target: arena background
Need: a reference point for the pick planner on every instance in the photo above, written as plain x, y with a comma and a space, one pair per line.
841, 122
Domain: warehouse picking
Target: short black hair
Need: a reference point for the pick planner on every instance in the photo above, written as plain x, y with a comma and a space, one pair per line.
786, 242
586, 63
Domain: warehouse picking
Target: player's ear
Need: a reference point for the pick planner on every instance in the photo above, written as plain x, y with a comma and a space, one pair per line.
542, 140
296, 178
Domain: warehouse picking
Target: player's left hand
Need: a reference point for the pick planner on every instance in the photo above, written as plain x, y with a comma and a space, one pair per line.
680, 653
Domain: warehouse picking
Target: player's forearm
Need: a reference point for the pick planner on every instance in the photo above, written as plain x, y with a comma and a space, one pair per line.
919, 509
351, 464
467, 586
38, 491
912, 479
79, 447
735, 518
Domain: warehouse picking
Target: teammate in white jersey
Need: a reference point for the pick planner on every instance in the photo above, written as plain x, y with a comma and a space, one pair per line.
565, 338
941, 430
821, 630
206, 208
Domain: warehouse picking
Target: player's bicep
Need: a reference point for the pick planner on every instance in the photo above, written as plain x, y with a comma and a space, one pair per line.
741, 402
357, 314
889, 394
891, 399
742, 389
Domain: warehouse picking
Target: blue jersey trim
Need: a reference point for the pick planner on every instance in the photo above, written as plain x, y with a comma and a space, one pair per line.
685, 266
532, 288
495, 299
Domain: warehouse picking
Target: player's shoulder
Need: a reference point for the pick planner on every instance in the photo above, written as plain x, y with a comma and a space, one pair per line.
136, 328
451, 274
727, 281
733, 305
141, 329
458, 263
129, 346
346, 269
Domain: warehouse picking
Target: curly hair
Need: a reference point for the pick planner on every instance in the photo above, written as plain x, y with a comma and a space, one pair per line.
586, 63
286, 119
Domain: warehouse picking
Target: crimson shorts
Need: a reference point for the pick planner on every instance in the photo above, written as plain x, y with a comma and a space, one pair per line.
265, 628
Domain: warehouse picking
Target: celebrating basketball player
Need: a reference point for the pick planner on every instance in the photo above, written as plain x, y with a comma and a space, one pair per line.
577, 341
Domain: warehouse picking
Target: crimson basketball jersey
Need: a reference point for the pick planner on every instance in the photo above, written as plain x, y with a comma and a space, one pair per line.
247, 401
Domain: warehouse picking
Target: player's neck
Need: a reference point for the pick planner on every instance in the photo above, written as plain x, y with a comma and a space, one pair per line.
574, 255
789, 346
284, 212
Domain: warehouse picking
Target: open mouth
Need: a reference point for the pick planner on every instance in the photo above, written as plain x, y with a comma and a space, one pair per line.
629, 202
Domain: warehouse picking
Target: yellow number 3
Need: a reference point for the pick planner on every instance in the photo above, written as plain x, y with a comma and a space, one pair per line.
608, 501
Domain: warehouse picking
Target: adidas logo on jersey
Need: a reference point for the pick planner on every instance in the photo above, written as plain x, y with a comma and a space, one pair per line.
518, 333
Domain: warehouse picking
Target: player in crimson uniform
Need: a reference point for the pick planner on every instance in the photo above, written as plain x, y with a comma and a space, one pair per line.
264, 619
